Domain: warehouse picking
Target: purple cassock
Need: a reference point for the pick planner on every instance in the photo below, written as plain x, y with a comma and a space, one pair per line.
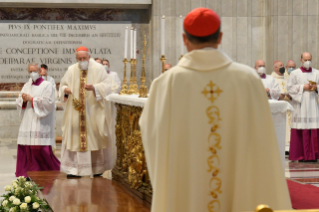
36, 133
304, 144
35, 158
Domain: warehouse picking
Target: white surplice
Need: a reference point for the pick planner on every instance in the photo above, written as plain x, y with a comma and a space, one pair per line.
209, 138
270, 83
116, 78
52, 81
305, 103
99, 156
37, 123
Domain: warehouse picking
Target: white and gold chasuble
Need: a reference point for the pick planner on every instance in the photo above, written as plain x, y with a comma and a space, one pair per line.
209, 138
282, 82
86, 140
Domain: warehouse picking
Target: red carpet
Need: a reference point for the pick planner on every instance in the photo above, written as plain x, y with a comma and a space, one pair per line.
303, 196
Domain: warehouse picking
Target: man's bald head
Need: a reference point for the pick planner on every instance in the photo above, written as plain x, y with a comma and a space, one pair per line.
306, 55
291, 64
259, 63
167, 66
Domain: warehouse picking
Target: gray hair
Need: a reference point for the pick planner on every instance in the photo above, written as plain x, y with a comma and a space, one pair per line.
35, 64
88, 53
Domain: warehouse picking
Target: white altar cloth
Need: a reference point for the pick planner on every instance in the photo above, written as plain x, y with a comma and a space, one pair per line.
278, 110
131, 100
279, 114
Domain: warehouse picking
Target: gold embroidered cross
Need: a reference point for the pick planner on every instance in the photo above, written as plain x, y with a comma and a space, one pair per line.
210, 93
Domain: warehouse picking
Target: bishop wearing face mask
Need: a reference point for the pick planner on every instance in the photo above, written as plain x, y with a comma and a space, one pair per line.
302, 87
290, 67
86, 144
271, 86
36, 107
278, 74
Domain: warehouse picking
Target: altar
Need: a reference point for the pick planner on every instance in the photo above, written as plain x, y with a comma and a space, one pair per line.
131, 167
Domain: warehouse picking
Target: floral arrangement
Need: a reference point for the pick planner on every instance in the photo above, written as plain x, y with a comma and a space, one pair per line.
21, 197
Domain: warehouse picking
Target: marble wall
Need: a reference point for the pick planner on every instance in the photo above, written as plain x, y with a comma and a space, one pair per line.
253, 29
140, 19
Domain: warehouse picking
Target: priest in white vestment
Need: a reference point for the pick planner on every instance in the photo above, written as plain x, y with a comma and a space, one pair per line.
114, 75
302, 87
85, 140
207, 130
46, 77
278, 74
270, 84
36, 108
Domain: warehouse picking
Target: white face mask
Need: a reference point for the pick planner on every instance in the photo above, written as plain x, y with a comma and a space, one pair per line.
84, 65
106, 68
307, 64
261, 70
34, 76
44, 77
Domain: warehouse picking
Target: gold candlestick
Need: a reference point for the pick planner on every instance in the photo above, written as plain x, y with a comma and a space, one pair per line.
143, 88
131, 87
163, 59
124, 86
136, 91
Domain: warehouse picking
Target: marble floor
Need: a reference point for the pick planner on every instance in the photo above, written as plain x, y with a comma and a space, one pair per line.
307, 173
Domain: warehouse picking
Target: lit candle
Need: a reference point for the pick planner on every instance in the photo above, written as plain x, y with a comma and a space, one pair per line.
163, 35
181, 35
134, 44
126, 42
132, 34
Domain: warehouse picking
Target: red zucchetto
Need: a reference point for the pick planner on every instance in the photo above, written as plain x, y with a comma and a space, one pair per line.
201, 22
82, 48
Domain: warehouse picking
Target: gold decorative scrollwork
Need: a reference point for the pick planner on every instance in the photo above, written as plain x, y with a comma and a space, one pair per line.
131, 166
212, 92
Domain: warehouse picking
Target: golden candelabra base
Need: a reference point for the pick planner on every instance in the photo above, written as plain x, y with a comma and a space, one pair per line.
124, 86
143, 91
163, 59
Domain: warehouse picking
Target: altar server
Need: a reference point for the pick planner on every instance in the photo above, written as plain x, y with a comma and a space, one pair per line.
208, 133
302, 87
270, 84
86, 146
36, 108
114, 75
45, 76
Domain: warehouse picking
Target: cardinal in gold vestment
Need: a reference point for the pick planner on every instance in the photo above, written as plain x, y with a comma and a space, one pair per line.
86, 144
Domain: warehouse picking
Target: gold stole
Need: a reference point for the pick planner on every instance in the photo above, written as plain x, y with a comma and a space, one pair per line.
82, 113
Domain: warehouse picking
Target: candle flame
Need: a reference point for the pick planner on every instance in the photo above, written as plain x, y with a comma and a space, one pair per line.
181, 16
126, 27
132, 28
163, 17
